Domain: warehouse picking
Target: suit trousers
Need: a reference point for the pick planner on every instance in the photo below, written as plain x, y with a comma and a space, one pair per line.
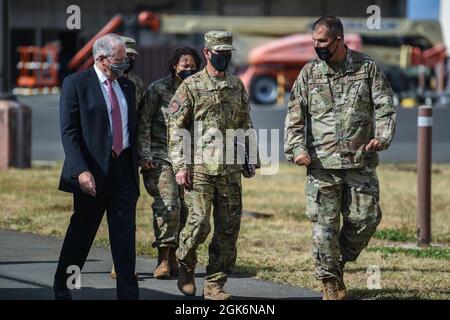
119, 200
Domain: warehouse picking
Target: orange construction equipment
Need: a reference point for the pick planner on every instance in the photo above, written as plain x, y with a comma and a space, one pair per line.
83, 59
38, 67
284, 56
150, 20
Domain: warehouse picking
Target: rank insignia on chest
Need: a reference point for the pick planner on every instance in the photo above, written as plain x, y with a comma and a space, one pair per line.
338, 88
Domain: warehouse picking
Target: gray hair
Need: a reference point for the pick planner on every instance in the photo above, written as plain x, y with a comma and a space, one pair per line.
107, 45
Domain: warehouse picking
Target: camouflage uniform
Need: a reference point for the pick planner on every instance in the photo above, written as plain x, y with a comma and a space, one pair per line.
140, 91
169, 208
330, 117
221, 104
130, 45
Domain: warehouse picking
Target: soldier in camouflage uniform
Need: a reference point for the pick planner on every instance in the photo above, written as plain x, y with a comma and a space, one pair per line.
330, 129
169, 209
130, 45
218, 99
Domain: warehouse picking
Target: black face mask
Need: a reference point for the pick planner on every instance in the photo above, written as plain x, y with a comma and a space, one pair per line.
220, 62
183, 74
118, 69
130, 65
325, 53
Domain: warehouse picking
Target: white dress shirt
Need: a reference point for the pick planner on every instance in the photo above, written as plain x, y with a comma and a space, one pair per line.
122, 103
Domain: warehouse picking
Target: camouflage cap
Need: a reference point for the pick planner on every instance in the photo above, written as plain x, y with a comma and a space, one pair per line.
219, 40
130, 44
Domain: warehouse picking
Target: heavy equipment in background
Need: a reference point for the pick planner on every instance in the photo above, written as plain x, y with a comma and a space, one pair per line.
262, 42
271, 50
38, 68
279, 62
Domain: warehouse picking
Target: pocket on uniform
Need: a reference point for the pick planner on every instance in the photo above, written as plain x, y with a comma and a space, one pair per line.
365, 209
320, 97
312, 202
358, 96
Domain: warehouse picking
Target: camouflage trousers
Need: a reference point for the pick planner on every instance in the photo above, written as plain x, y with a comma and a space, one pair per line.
169, 208
223, 192
355, 194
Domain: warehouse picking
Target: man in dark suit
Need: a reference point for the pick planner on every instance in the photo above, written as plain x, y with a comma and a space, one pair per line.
98, 131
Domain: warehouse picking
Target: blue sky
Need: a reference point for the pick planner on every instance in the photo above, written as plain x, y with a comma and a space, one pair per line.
423, 9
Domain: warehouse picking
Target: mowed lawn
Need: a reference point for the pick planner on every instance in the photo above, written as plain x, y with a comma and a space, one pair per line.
275, 239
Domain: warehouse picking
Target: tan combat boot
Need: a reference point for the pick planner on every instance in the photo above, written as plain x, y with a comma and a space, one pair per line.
162, 270
186, 280
330, 289
341, 290
214, 291
173, 262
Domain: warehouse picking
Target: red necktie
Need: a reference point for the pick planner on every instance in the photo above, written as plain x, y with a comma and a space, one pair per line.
116, 119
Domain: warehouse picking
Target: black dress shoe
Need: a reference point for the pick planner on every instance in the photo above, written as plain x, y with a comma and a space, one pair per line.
62, 294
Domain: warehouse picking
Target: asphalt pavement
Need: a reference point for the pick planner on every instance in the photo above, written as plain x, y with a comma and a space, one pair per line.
28, 263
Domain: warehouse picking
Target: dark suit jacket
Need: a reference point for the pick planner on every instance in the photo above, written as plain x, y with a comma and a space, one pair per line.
85, 130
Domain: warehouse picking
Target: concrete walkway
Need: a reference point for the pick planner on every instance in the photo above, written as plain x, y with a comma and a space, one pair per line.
28, 263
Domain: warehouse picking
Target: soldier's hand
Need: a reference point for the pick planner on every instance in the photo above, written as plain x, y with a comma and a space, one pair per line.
251, 173
148, 165
302, 160
373, 145
184, 179
87, 183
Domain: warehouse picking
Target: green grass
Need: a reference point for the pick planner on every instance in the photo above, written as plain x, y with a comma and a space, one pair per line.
399, 235
277, 247
429, 252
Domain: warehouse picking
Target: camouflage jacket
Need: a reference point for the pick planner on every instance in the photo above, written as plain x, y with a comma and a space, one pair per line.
153, 120
332, 116
214, 105
140, 91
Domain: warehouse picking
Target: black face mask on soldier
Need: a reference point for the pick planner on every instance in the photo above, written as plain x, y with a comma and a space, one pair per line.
220, 62
130, 65
325, 53
183, 74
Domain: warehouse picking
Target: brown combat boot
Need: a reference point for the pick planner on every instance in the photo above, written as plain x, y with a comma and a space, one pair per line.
173, 262
214, 291
341, 289
162, 270
330, 289
186, 280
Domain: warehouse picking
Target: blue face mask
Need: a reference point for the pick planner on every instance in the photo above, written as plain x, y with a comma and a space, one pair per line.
220, 62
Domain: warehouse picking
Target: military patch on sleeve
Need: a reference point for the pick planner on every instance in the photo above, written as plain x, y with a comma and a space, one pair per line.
174, 106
